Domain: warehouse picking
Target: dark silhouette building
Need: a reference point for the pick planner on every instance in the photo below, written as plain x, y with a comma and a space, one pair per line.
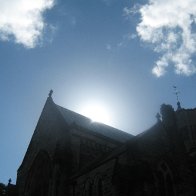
71, 156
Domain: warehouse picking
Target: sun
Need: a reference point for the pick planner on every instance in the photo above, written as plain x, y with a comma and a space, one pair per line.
96, 112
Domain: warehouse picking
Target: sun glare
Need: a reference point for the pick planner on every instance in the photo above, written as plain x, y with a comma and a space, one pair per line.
96, 112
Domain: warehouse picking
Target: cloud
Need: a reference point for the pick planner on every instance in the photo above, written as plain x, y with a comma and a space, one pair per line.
169, 26
22, 20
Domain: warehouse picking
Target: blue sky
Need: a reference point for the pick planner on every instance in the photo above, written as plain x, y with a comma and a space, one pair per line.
125, 55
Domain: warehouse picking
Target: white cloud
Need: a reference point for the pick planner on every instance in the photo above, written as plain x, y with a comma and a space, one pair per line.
22, 20
169, 26
159, 69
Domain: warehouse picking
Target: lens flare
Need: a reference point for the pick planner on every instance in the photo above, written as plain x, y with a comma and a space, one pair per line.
96, 112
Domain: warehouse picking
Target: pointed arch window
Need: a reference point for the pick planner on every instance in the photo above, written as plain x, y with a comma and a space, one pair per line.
88, 188
165, 180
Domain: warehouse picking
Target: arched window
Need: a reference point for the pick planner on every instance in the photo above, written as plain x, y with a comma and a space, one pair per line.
88, 188
98, 185
165, 180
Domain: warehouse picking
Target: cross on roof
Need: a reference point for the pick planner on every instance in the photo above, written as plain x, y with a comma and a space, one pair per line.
50, 93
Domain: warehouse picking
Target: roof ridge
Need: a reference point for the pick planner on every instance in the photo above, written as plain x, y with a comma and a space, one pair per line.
85, 122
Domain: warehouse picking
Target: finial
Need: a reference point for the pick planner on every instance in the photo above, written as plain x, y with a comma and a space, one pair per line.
176, 92
179, 106
9, 181
50, 93
158, 116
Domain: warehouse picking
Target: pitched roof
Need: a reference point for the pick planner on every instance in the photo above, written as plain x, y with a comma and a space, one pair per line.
98, 128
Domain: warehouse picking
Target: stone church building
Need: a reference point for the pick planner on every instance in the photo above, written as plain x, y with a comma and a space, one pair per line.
71, 156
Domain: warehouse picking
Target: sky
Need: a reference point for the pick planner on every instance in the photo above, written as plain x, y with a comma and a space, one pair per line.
124, 56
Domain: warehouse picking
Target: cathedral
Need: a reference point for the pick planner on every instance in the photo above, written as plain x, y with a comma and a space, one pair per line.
69, 155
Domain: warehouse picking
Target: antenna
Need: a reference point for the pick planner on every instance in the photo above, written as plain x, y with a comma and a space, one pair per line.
176, 92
